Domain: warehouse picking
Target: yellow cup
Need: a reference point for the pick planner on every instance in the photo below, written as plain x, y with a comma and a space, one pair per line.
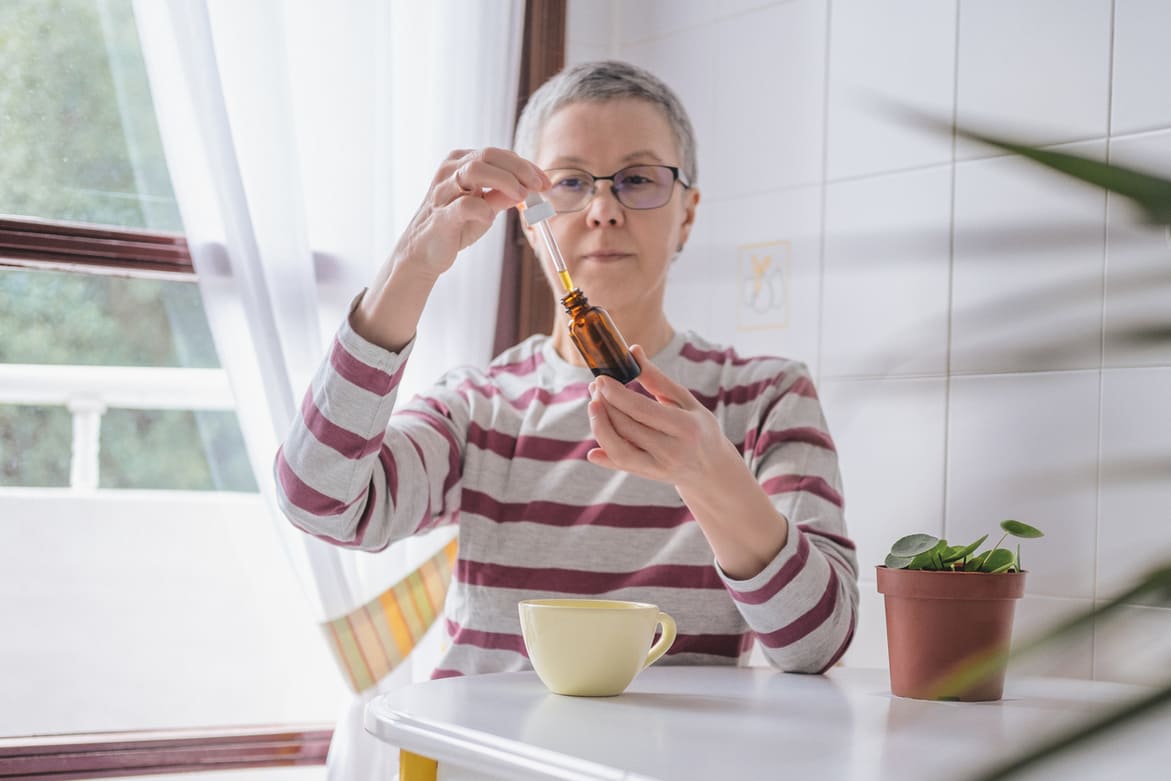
592, 647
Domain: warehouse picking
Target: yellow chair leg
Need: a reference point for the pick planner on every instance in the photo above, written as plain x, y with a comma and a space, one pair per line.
415, 767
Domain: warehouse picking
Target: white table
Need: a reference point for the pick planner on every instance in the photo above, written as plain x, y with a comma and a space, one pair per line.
681, 723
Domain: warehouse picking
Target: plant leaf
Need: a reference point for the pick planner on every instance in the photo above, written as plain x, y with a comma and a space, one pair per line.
896, 562
1152, 194
999, 560
929, 559
913, 545
1018, 529
965, 551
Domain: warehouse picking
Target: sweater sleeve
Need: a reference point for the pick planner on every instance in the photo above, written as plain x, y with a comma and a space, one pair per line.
353, 474
803, 606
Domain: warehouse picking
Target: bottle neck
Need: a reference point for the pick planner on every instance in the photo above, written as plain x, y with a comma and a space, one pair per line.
574, 302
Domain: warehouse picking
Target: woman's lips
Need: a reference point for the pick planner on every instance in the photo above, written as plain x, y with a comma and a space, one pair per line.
605, 256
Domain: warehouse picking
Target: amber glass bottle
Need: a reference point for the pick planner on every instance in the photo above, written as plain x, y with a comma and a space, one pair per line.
598, 340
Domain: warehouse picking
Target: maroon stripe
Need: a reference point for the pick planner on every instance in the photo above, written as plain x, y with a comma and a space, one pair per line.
518, 368
693, 353
536, 448
843, 647
572, 581
360, 373
390, 469
803, 387
716, 645
440, 672
331, 435
478, 638
845, 542
809, 621
303, 496
569, 393
361, 531
557, 514
783, 577
804, 434
738, 394
811, 484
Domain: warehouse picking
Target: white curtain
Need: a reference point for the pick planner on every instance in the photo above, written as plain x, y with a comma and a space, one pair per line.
300, 138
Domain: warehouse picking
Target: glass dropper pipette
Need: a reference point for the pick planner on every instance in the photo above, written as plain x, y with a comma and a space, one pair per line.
537, 212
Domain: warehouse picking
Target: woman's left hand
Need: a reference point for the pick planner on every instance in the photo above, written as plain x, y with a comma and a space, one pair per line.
672, 437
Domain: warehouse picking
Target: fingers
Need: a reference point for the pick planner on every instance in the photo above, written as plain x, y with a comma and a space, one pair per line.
660, 385
658, 416
502, 175
615, 451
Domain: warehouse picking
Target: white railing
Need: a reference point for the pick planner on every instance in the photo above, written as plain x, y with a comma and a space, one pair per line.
88, 391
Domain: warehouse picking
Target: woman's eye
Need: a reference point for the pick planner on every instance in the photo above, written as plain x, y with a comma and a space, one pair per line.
636, 181
571, 183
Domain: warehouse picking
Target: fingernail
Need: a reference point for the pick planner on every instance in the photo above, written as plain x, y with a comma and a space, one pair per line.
593, 390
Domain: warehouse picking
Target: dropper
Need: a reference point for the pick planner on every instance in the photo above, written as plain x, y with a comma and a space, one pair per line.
537, 212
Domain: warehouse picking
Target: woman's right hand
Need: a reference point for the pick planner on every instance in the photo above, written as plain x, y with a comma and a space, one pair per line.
470, 188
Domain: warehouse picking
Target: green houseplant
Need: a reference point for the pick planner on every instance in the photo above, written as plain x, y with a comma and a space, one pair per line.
946, 606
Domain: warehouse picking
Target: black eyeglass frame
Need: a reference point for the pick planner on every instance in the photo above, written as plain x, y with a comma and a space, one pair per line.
676, 176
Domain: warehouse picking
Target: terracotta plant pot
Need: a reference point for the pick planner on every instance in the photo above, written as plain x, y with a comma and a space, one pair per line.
935, 621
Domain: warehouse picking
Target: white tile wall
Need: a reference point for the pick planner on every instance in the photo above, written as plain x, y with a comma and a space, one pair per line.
1134, 647
1029, 257
1025, 446
890, 439
1133, 533
1071, 657
1018, 405
576, 53
887, 275
1040, 68
590, 22
902, 51
788, 217
769, 100
685, 62
1140, 99
1138, 263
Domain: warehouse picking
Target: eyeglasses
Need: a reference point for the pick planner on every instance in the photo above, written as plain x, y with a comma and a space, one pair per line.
635, 187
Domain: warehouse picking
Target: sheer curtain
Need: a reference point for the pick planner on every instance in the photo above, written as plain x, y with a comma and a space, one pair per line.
301, 137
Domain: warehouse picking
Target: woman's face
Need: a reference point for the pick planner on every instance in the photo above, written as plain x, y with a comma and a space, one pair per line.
618, 256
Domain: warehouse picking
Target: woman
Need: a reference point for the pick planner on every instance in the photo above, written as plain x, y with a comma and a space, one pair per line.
566, 485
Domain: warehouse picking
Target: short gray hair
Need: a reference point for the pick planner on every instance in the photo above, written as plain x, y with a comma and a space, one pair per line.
599, 82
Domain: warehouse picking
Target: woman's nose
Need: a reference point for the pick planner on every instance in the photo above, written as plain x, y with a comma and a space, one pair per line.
604, 208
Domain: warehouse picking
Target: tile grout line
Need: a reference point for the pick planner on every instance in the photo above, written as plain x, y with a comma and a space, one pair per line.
824, 190
951, 252
1102, 335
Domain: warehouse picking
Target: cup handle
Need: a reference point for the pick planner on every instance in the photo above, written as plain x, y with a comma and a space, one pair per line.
666, 639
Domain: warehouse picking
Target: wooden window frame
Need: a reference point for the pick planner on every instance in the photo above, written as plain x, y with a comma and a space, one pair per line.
93, 249
120, 754
526, 304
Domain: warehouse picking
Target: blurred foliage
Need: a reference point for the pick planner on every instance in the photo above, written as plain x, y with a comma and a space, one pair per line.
78, 142
79, 138
35, 445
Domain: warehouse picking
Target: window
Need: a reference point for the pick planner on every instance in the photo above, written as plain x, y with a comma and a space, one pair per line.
81, 145
127, 609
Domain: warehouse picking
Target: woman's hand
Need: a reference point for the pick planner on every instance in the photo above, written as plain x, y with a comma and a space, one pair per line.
676, 439
671, 437
470, 188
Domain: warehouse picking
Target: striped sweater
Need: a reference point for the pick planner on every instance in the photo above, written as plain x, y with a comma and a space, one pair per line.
501, 452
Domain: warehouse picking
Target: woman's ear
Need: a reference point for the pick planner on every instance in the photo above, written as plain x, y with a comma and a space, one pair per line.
690, 202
